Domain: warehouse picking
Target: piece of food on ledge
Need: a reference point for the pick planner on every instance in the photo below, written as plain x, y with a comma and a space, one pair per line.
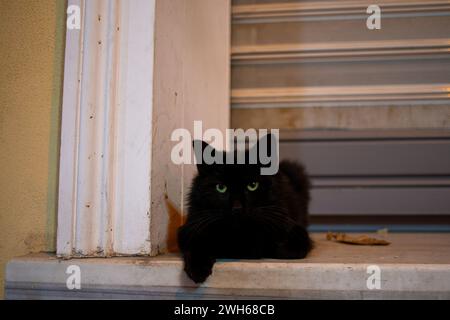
360, 240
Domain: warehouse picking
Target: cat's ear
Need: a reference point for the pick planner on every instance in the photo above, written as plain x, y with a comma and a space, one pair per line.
199, 148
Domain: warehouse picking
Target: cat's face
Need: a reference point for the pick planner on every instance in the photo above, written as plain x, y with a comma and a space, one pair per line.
231, 189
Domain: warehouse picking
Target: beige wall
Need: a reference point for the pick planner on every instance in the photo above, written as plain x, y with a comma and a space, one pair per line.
31, 56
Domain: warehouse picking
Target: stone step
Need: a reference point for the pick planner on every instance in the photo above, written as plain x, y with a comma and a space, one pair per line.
413, 266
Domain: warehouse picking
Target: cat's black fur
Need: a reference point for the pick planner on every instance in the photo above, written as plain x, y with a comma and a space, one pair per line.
269, 222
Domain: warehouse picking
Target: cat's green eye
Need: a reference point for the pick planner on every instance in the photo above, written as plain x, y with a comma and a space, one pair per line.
253, 186
221, 188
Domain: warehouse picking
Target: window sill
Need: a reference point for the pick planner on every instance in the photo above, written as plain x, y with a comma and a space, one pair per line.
413, 266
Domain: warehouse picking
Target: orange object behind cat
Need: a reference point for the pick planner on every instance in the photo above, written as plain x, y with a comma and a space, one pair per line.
176, 219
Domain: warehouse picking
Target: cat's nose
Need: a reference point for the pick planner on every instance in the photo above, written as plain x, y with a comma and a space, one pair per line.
237, 206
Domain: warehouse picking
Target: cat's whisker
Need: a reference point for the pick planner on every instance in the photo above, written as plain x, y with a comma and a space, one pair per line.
275, 220
280, 214
197, 226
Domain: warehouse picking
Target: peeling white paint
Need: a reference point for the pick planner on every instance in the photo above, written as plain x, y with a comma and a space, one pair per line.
104, 194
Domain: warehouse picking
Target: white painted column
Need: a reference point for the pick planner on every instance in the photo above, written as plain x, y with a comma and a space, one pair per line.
105, 162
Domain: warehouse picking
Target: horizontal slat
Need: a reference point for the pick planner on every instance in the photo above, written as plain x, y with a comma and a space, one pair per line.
371, 158
329, 77
404, 228
380, 182
425, 219
337, 92
342, 119
359, 135
375, 201
344, 30
326, 10
409, 94
363, 50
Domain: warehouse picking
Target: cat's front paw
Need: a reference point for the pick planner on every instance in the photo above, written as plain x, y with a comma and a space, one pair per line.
198, 274
296, 246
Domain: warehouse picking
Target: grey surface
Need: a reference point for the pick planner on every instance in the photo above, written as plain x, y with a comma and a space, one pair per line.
380, 201
374, 172
388, 157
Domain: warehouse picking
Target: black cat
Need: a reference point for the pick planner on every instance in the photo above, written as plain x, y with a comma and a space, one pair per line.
235, 212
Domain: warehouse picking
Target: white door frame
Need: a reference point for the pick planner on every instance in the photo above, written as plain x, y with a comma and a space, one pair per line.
105, 161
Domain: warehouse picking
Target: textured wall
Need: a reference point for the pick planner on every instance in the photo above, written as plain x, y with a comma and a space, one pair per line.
31, 57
